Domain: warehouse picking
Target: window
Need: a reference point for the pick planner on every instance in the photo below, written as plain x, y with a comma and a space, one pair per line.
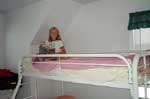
140, 39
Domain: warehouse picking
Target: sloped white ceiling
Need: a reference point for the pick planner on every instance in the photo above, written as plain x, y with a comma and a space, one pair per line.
7, 5
61, 17
85, 1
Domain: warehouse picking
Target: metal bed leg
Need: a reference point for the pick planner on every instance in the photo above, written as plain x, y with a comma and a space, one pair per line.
17, 88
36, 89
19, 81
145, 78
62, 82
135, 77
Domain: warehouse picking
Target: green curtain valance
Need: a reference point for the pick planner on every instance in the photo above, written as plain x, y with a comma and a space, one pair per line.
139, 20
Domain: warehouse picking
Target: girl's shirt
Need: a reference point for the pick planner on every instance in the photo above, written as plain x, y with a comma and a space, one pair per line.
55, 45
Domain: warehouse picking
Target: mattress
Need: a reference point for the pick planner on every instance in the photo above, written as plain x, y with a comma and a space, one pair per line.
97, 75
110, 72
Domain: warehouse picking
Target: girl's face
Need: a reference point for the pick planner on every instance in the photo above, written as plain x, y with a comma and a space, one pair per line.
53, 34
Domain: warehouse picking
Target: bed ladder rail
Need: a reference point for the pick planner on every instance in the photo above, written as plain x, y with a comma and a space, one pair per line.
17, 88
146, 86
20, 77
144, 89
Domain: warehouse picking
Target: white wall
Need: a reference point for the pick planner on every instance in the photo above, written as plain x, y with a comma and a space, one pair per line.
23, 24
102, 26
2, 41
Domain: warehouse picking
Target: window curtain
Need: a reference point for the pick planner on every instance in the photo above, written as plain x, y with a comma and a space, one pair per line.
139, 20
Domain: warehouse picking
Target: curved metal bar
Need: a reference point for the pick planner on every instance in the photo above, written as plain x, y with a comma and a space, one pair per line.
20, 77
90, 55
84, 55
135, 76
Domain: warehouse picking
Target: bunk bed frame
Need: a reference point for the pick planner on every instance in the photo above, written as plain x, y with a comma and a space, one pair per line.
132, 71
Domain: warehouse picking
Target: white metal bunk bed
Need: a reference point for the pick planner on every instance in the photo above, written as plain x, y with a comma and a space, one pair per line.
132, 72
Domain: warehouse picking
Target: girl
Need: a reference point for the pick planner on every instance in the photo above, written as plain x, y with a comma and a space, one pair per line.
53, 45
54, 42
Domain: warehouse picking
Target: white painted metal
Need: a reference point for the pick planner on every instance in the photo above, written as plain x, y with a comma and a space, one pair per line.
86, 55
77, 55
62, 81
36, 90
71, 63
140, 39
133, 74
19, 81
145, 77
119, 56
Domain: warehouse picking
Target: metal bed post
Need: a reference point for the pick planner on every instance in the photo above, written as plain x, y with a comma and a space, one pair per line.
36, 89
145, 77
135, 76
62, 82
19, 81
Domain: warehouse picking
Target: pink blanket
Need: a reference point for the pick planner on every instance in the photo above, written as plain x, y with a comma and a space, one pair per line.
84, 63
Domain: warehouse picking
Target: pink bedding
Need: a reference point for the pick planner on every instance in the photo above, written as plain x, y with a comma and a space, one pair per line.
91, 61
